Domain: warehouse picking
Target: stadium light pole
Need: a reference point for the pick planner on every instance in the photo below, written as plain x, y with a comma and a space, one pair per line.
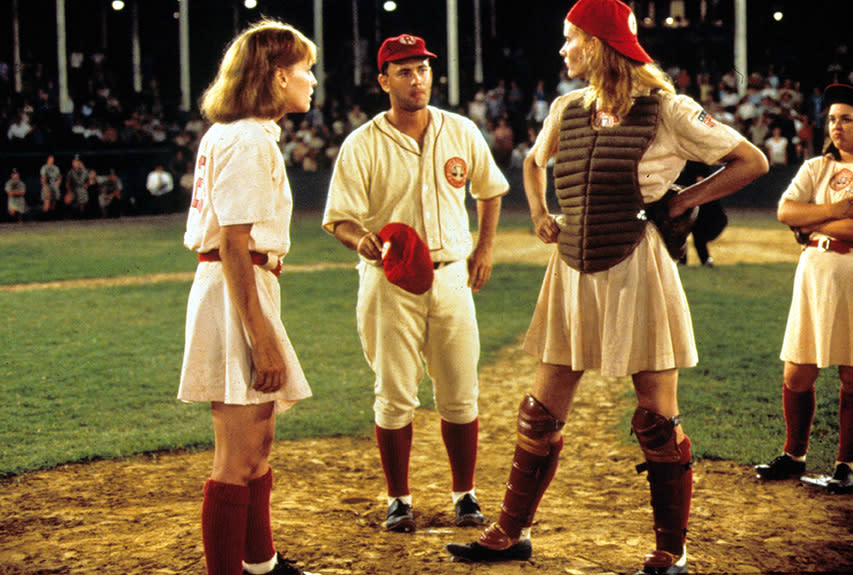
136, 50
184, 43
452, 54
740, 51
16, 48
356, 47
319, 67
478, 45
66, 105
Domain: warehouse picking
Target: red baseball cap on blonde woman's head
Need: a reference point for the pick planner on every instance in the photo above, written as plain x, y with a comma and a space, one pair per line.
611, 21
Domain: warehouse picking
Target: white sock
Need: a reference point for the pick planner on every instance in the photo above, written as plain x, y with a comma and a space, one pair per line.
261, 568
457, 495
682, 561
800, 458
407, 499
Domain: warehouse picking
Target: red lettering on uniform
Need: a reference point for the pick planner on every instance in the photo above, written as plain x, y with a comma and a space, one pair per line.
198, 201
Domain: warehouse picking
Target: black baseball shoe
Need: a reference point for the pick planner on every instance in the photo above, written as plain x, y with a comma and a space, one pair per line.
468, 512
663, 563
283, 567
477, 553
497, 546
783, 467
400, 517
842, 480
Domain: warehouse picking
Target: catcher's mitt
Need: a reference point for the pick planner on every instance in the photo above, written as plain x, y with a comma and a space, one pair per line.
674, 231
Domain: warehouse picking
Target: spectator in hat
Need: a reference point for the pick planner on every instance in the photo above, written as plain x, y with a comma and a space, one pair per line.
76, 197
412, 164
51, 180
16, 194
109, 197
818, 205
612, 299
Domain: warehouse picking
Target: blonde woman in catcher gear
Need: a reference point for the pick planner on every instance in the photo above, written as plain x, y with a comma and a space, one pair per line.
819, 206
237, 354
410, 165
612, 299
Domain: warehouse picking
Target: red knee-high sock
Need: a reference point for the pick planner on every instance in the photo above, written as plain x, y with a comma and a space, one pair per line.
223, 526
259, 545
395, 448
686, 482
460, 441
845, 427
799, 408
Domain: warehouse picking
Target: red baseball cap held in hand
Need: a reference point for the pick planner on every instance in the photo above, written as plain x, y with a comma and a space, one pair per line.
611, 21
402, 47
405, 258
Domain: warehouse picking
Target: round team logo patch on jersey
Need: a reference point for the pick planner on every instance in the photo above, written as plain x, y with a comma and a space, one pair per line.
456, 172
841, 180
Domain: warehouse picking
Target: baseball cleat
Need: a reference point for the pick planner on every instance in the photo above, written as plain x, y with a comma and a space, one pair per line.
476, 553
284, 567
493, 545
783, 467
842, 480
663, 563
468, 512
400, 517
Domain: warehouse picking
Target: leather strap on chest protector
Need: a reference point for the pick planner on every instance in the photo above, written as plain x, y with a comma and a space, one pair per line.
595, 177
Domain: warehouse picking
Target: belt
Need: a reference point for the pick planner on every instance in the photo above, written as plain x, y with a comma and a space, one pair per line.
830, 245
258, 258
439, 265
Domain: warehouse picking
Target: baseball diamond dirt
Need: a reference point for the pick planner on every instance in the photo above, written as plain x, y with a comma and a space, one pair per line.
141, 515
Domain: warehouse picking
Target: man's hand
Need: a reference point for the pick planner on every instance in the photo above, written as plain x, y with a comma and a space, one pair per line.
479, 267
369, 246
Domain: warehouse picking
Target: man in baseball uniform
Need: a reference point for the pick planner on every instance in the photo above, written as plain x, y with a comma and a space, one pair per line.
411, 165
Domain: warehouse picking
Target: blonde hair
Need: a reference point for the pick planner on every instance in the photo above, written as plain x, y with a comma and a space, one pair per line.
614, 78
244, 86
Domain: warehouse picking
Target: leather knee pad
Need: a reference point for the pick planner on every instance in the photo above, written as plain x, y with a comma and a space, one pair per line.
535, 426
656, 435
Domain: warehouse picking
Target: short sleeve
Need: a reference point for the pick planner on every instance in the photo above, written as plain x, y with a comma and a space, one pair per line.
802, 187
697, 135
348, 197
243, 189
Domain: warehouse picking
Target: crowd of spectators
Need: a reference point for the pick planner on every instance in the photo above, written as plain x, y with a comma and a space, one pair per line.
775, 111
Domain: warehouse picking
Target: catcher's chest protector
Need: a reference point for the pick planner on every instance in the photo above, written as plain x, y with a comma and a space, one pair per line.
595, 176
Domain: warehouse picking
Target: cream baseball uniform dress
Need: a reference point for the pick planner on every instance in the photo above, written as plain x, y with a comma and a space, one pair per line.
820, 321
381, 176
239, 179
634, 316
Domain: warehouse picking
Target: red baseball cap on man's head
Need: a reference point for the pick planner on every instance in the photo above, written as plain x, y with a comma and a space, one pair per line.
402, 47
611, 21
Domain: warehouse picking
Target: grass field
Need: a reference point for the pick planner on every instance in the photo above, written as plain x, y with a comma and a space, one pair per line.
90, 370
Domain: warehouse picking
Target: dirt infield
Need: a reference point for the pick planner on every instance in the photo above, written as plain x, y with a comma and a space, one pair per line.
141, 516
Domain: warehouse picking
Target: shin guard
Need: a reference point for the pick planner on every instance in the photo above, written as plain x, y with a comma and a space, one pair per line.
533, 466
670, 477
